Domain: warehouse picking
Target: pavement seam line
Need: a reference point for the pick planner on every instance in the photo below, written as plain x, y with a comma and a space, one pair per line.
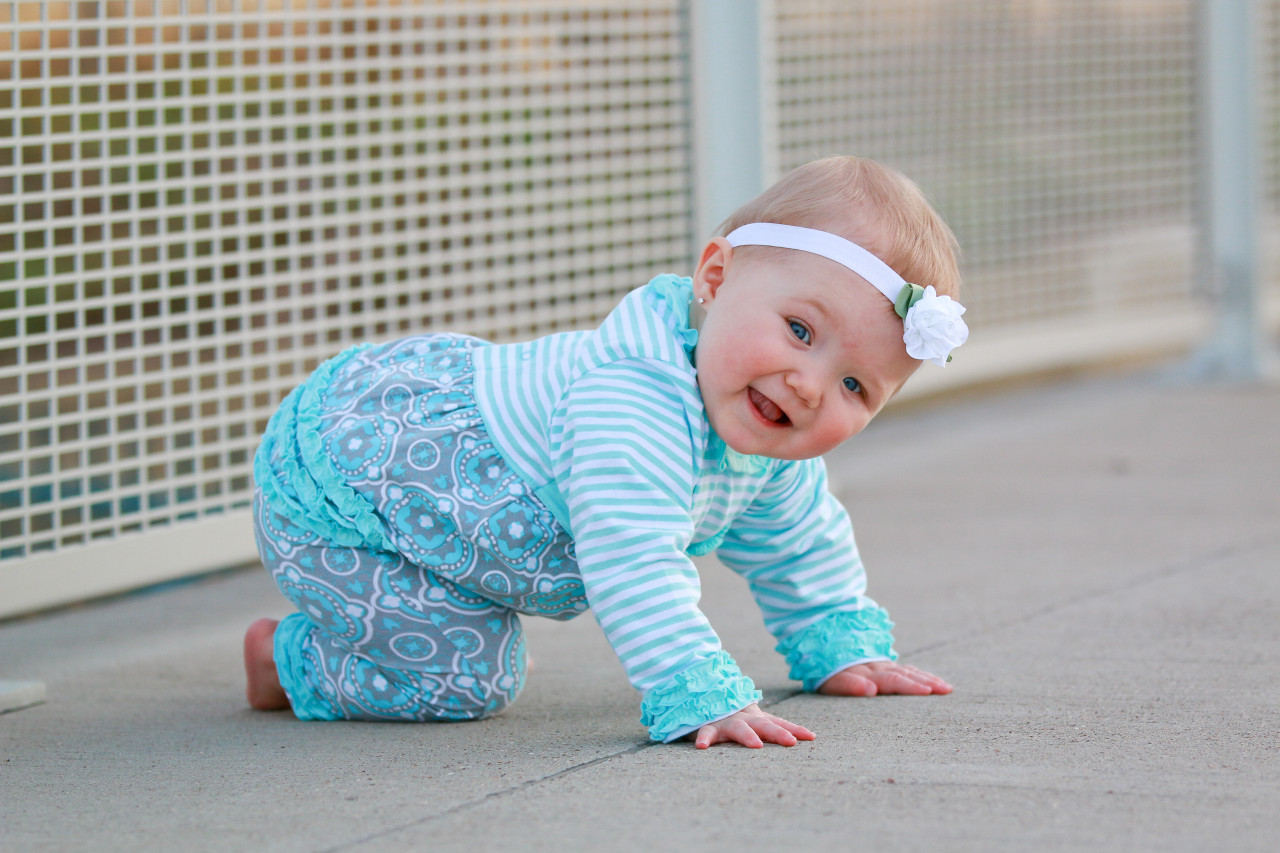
492, 795
514, 789
1143, 579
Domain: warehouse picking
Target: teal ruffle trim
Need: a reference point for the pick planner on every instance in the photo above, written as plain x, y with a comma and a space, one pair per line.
675, 294
292, 667
706, 546
296, 477
839, 639
344, 505
728, 459
709, 690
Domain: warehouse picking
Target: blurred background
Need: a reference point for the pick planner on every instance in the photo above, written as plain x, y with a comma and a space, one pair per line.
201, 200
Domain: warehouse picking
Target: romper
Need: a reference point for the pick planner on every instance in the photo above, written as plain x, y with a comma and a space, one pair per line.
414, 497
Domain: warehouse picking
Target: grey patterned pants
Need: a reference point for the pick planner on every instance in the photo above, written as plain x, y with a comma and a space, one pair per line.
417, 620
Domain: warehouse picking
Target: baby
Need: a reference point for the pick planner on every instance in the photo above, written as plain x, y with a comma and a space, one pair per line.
414, 497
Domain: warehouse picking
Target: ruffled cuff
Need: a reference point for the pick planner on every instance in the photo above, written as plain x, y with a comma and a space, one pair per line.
296, 672
710, 690
835, 641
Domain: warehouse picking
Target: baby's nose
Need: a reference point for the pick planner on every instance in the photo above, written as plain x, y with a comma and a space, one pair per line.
806, 388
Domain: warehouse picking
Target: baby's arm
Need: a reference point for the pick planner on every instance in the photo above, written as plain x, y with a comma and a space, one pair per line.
819, 572
627, 497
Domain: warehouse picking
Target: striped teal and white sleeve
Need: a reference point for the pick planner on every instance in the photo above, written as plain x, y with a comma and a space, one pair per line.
622, 456
795, 547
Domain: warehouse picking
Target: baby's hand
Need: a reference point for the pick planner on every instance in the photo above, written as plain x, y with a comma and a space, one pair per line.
751, 727
883, 677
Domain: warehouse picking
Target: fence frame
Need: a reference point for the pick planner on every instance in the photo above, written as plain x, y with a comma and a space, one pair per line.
1230, 178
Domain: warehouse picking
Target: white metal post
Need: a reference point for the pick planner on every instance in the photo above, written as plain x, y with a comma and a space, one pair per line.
1230, 177
732, 106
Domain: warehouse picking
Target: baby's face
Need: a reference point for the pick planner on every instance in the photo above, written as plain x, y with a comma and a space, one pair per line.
795, 352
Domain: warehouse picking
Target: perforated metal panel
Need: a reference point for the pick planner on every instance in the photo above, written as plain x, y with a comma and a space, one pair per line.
200, 200
1057, 138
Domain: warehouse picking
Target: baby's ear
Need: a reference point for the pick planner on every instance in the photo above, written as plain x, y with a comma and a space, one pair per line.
712, 267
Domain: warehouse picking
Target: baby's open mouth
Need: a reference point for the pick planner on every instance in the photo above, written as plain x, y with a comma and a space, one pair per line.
767, 408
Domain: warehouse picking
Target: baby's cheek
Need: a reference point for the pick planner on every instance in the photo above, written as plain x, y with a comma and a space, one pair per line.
846, 428
756, 352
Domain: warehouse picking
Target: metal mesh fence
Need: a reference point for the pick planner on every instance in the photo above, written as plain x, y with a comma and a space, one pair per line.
1057, 138
200, 200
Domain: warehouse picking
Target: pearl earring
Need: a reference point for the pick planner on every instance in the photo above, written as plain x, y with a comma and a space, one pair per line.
701, 301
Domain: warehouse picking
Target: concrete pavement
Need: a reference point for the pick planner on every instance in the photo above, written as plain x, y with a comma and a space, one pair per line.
1094, 564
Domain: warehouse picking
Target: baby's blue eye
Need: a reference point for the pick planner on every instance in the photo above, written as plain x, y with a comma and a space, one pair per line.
852, 384
800, 330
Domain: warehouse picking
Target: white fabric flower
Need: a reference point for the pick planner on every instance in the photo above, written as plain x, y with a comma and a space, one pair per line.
933, 328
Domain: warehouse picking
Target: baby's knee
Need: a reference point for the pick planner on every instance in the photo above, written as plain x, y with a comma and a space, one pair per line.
490, 707
478, 698
475, 690
487, 676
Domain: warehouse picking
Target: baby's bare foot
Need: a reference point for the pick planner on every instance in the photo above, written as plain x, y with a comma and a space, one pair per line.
264, 691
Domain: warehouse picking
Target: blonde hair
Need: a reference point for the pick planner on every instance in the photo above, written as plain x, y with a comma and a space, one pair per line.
875, 206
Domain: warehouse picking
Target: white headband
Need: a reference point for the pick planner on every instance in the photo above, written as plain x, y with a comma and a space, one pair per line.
931, 324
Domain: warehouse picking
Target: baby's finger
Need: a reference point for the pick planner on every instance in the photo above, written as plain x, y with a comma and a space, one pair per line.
934, 683
854, 684
928, 679
708, 736
848, 683
745, 735
797, 731
900, 683
770, 731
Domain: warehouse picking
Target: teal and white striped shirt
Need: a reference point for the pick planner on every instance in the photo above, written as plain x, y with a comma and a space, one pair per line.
608, 428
